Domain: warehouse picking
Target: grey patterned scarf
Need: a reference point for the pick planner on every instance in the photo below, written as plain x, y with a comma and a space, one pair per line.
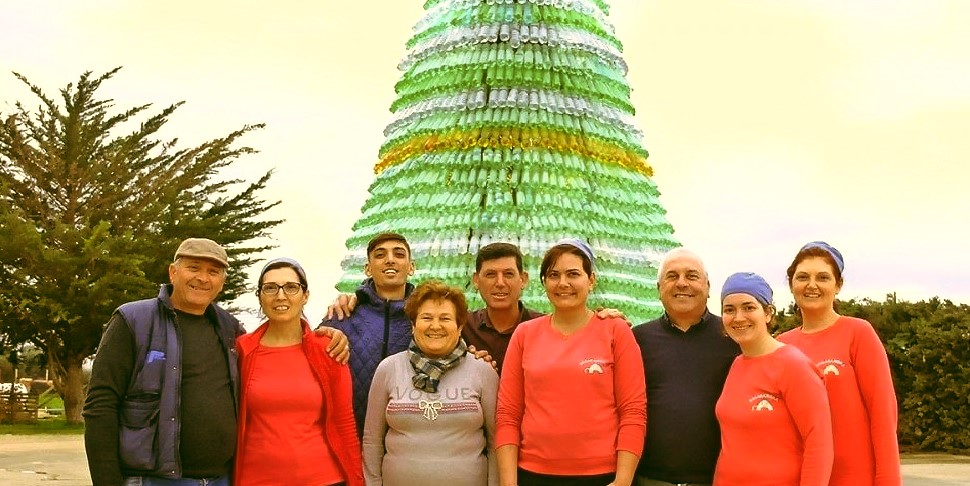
428, 371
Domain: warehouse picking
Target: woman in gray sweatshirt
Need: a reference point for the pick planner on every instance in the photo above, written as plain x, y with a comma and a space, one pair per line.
431, 409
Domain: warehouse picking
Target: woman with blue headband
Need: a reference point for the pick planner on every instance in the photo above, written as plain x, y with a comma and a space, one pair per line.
572, 400
773, 411
296, 422
854, 365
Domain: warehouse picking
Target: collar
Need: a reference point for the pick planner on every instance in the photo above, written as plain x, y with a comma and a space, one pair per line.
248, 342
669, 325
487, 320
367, 292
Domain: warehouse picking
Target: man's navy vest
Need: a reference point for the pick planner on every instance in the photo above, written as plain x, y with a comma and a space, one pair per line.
150, 411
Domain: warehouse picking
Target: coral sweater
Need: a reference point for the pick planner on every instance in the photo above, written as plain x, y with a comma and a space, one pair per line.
855, 368
571, 402
775, 424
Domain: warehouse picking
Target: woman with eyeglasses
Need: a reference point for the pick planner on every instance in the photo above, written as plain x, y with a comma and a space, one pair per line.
296, 424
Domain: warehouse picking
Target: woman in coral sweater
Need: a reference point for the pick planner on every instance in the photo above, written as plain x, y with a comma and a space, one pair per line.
296, 425
853, 363
572, 401
773, 411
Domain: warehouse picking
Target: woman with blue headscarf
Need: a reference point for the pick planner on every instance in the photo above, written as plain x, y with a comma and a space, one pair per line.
572, 400
854, 365
773, 411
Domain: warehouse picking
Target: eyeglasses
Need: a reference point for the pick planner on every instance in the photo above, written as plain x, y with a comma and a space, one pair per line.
289, 288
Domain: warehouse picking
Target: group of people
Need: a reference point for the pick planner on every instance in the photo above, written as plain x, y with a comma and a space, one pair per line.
438, 394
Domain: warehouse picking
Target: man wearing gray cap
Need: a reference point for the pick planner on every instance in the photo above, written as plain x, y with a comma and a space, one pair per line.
161, 404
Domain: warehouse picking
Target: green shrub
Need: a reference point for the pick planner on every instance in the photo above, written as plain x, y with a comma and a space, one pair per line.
930, 355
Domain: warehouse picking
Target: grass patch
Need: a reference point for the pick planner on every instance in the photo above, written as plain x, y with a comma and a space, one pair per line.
56, 425
50, 399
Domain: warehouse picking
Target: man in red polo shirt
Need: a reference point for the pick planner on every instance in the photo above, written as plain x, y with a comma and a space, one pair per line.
499, 278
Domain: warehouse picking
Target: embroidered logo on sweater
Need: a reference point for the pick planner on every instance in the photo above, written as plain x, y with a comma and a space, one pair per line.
763, 402
592, 366
830, 367
430, 408
763, 405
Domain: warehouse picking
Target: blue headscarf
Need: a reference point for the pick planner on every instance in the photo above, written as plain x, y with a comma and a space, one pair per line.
581, 246
747, 283
836, 255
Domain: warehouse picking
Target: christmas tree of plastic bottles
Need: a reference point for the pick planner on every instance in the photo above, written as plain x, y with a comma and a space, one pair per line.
513, 123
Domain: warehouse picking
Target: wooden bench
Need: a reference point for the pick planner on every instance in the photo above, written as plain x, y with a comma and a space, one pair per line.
18, 408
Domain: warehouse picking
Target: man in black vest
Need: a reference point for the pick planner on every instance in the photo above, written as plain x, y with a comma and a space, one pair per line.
168, 412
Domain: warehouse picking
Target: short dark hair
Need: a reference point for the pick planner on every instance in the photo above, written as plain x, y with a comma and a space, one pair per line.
494, 251
436, 290
381, 238
559, 250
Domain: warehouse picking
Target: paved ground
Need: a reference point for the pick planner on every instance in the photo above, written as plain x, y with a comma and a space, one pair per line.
58, 460
43, 460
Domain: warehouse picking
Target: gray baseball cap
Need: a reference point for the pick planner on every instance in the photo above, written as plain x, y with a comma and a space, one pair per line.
203, 248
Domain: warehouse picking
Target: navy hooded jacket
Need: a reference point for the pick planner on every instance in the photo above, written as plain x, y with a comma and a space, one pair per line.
376, 329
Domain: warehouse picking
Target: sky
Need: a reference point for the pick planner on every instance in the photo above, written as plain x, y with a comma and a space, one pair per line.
770, 123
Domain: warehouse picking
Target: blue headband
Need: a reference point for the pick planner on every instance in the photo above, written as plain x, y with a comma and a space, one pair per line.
747, 283
290, 263
836, 255
581, 246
